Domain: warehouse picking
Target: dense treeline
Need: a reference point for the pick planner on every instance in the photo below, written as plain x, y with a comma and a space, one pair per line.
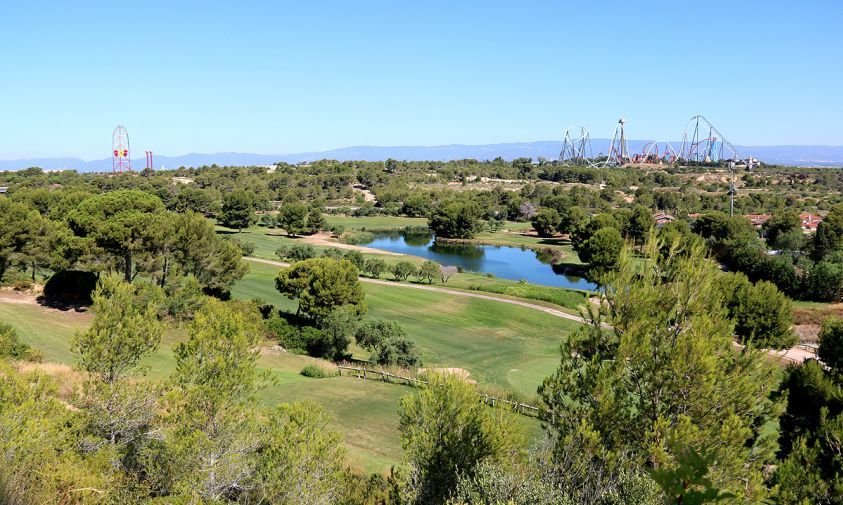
129, 231
412, 187
805, 267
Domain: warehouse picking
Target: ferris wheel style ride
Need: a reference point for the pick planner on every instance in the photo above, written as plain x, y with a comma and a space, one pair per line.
120, 160
703, 143
576, 148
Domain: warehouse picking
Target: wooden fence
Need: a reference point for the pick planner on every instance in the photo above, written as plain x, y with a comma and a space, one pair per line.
808, 347
366, 373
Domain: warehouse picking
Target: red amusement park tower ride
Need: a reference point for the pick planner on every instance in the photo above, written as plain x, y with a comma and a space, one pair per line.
120, 160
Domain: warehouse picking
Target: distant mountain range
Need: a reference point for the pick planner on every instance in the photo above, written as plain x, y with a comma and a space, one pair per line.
826, 156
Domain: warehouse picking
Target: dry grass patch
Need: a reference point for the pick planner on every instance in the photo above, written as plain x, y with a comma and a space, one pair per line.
66, 378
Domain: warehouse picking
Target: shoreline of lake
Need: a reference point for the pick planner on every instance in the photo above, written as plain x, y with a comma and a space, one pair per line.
557, 255
541, 266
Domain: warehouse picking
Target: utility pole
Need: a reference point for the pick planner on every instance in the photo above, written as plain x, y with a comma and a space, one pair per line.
732, 189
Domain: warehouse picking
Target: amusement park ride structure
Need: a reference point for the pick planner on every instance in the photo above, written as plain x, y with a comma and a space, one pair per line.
121, 155
701, 143
704, 144
576, 147
121, 160
618, 150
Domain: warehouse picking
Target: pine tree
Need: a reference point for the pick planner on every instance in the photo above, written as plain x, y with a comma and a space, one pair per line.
656, 370
125, 330
211, 426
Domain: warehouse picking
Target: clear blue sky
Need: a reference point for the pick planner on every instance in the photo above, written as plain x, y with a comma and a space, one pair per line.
278, 77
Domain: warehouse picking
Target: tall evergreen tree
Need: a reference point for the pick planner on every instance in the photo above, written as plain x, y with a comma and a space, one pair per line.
118, 410
655, 371
211, 426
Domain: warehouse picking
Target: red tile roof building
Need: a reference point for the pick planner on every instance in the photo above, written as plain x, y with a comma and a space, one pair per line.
810, 221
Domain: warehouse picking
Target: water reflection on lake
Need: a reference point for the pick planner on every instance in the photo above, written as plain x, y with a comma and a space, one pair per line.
505, 262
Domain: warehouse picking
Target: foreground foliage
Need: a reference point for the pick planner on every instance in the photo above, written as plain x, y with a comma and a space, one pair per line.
665, 377
812, 426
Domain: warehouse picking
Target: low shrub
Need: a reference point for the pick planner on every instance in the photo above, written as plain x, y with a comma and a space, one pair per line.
333, 253
264, 308
247, 248
401, 352
22, 285
11, 347
356, 237
296, 252
290, 337
300, 338
320, 370
313, 372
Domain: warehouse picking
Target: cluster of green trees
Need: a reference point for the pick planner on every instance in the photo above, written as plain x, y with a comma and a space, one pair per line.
233, 195
652, 403
428, 271
12, 348
760, 311
811, 470
330, 312
665, 379
128, 231
456, 219
297, 219
416, 188
805, 267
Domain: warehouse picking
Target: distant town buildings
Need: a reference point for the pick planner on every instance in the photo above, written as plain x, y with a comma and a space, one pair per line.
810, 221
662, 218
758, 220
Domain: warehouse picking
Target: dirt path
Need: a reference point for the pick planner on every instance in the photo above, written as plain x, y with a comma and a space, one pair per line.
17, 298
792, 355
10, 297
367, 195
325, 238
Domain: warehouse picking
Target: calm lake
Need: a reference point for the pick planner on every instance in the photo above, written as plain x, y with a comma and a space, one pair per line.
505, 262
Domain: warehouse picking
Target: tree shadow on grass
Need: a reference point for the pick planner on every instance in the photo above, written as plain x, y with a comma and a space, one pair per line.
69, 290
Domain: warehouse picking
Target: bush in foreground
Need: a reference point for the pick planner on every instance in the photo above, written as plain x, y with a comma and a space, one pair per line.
319, 371
11, 347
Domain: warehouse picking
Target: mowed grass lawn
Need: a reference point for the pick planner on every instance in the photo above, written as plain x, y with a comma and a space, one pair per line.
499, 343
